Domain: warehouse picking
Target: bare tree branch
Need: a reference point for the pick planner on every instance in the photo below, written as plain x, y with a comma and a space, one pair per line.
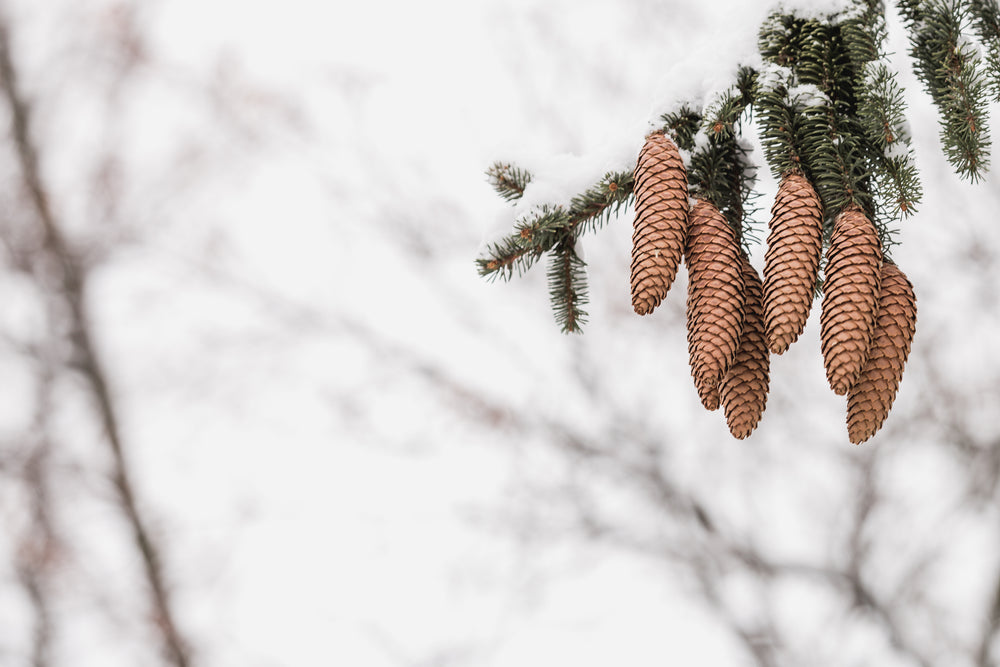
37, 552
984, 651
70, 284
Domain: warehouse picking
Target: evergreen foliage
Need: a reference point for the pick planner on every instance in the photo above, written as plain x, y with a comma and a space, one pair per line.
720, 170
567, 286
826, 103
554, 230
509, 181
952, 72
986, 18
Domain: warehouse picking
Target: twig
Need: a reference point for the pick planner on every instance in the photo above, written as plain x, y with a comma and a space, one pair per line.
990, 631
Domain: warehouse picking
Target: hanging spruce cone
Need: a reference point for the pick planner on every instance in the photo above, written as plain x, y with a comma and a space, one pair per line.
744, 389
871, 398
661, 221
716, 299
791, 264
850, 297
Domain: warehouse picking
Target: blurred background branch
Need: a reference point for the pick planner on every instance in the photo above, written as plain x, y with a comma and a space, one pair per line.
60, 270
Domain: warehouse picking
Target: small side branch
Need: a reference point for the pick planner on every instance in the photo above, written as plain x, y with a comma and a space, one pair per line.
990, 631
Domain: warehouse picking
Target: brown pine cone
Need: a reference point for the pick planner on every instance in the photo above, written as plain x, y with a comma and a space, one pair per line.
661, 221
871, 397
716, 299
744, 388
791, 264
850, 297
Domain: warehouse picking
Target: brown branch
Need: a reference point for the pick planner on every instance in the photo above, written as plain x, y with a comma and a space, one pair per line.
37, 550
39, 547
990, 632
34, 585
70, 285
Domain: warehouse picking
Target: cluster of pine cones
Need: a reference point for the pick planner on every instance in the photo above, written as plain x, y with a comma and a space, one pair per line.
735, 321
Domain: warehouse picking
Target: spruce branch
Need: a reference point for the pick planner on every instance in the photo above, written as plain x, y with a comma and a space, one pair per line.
512, 254
721, 173
910, 10
682, 126
827, 105
986, 19
722, 118
864, 32
568, 286
882, 113
545, 227
882, 108
809, 114
834, 157
826, 63
720, 170
952, 74
780, 124
508, 180
593, 207
783, 37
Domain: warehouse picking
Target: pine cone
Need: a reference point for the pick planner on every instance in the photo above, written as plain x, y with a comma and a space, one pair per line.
791, 264
850, 297
661, 221
716, 299
744, 389
870, 399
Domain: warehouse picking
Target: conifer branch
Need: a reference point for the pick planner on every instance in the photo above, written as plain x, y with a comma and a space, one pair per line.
809, 108
568, 286
682, 126
864, 32
543, 228
722, 173
720, 170
827, 105
509, 181
986, 18
546, 227
722, 118
507, 256
882, 113
951, 72
592, 208
781, 124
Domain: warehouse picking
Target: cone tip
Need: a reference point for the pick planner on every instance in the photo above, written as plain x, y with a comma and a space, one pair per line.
858, 436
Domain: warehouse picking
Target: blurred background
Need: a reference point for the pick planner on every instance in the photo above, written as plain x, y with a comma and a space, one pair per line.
259, 409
